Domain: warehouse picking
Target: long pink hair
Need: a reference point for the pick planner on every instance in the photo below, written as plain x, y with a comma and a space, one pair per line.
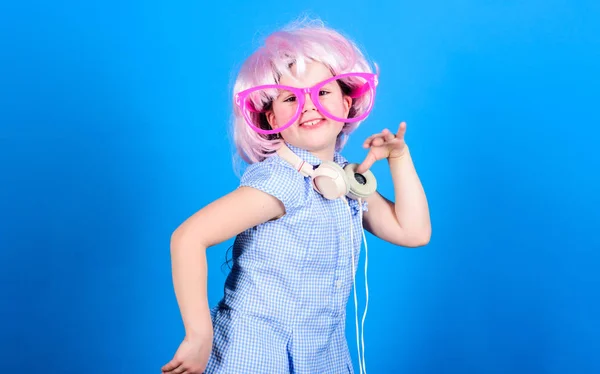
296, 43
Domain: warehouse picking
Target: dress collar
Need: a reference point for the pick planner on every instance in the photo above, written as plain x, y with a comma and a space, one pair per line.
314, 160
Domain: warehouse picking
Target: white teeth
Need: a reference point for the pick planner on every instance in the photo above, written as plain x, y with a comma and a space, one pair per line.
311, 123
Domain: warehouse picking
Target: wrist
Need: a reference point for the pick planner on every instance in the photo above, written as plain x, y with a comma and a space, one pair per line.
201, 326
199, 333
399, 155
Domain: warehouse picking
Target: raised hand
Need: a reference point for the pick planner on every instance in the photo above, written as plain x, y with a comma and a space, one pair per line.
384, 145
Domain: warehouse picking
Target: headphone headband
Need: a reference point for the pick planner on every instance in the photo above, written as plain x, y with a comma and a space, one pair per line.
299, 164
330, 179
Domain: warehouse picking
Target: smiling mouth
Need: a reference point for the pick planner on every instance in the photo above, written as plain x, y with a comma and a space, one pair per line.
312, 122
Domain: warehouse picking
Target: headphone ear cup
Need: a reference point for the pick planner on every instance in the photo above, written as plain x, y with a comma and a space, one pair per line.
330, 180
360, 185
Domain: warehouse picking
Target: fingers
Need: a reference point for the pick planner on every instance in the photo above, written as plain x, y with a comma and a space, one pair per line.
401, 130
189, 371
378, 141
375, 140
171, 366
178, 369
386, 136
367, 163
367, 142
178, 366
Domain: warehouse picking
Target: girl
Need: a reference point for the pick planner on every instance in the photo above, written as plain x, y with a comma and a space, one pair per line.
296, 100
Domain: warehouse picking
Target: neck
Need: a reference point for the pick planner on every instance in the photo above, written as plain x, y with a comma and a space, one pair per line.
325, 154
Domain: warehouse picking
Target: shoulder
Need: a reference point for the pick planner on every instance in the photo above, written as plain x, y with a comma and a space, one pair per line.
278, 178
274, 167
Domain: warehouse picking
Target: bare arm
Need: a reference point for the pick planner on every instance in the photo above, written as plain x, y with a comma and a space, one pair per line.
405, 222
219, 221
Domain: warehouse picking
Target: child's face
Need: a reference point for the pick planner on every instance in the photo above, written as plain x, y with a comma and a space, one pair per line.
312, 131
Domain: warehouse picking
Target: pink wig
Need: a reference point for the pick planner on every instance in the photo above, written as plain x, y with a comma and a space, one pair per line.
294, 44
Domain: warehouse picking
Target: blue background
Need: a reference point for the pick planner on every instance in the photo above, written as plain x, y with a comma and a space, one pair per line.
114, 129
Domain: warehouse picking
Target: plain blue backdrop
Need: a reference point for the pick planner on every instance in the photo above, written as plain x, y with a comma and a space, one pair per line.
114, 129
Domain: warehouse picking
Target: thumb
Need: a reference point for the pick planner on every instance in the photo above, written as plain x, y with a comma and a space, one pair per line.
171, 365
367, 163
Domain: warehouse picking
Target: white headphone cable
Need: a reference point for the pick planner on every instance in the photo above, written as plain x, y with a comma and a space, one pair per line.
358, 345
366, 289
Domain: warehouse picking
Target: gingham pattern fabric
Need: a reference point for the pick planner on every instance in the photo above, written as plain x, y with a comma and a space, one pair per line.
284, 304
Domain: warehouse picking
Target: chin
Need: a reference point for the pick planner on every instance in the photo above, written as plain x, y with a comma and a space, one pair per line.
319, 138
319, 144
316, 138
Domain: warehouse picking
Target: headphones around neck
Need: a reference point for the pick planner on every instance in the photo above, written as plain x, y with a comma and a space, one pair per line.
330, 179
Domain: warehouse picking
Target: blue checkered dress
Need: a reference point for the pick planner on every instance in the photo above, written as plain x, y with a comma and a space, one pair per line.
284, 304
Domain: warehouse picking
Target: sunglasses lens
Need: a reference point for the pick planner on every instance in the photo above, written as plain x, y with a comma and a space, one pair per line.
356, 87
262, 100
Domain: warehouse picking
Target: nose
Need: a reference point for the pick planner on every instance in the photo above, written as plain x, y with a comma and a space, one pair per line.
308, 103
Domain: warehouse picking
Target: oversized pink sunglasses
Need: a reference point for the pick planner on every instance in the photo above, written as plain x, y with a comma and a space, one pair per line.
366, 86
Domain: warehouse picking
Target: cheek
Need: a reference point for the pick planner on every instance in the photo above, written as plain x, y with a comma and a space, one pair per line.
336, 107
283, 114
290, 134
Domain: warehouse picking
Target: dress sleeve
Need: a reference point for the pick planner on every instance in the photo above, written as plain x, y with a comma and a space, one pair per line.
278, 180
